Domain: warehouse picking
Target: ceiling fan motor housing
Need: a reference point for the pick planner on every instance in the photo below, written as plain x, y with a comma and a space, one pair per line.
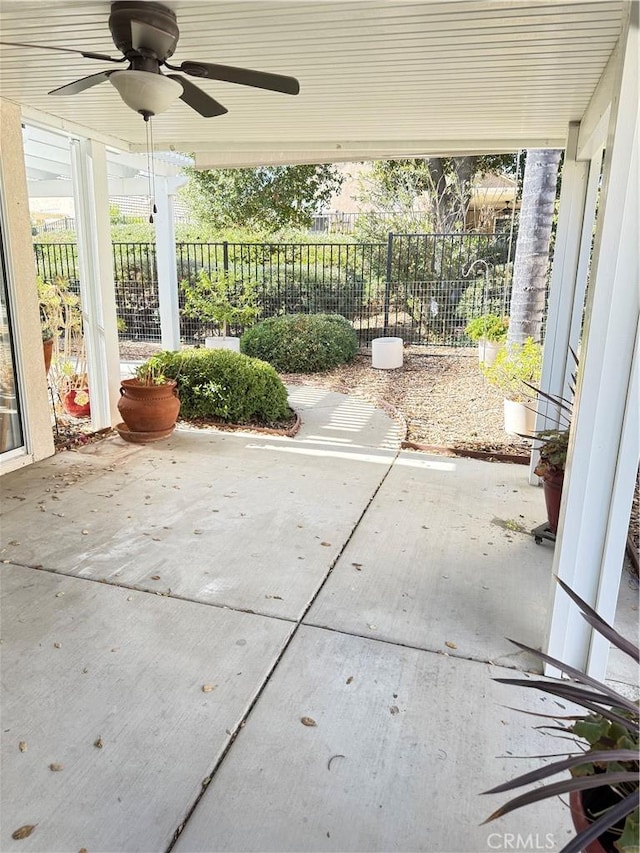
161, 35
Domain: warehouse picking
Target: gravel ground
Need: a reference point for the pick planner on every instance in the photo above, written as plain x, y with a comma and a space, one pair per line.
441, 393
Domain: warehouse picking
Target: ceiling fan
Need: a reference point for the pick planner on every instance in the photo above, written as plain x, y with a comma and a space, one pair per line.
147, 33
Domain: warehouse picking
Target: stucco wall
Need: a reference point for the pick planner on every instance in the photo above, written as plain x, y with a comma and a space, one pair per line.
23, 292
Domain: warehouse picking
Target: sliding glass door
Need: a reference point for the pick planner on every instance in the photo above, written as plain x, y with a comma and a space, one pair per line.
11, 431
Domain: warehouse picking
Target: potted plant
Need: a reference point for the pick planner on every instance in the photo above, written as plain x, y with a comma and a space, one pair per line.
149, 404
47, 347
516, 368
552, 449
605, 784
490, 331
220, 300
63, 344
550, 468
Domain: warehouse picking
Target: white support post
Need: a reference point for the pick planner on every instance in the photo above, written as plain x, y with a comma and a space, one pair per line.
166, 261
566, 289
97, 291
605, 444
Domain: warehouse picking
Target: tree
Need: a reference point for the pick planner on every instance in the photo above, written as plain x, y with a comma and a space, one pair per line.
268, 197
429, 193
532, 249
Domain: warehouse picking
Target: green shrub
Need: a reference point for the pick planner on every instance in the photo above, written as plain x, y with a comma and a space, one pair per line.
226, 385
489, 327
302, 343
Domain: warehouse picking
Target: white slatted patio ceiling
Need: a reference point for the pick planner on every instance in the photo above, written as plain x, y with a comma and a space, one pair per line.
377, 78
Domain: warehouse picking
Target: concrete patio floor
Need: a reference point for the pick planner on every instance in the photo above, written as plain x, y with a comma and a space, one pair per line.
171, 613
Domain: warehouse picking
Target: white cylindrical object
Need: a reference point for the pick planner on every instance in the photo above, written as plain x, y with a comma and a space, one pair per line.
519, 418
487, 351
386, 353
223, 343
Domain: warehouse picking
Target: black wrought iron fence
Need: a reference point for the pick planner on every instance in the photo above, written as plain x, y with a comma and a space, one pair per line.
413, 286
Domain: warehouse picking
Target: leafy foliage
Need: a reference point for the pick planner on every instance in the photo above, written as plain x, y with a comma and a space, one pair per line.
225, 385
516, 368
220, 298
268, 196
608, 762
424, 194
302, 343
489, 327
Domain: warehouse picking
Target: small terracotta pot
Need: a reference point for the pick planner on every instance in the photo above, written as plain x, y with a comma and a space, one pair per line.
552, 488
47, 349
148, 408
77, 410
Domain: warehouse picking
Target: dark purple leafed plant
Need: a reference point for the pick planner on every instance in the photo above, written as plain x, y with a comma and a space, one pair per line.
608, 738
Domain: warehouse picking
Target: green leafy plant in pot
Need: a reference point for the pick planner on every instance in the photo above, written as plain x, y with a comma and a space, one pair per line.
490, 332
220, 300
516, 369
149, 404
605, 785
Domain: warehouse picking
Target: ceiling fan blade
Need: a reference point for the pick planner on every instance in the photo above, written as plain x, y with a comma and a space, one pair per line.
198, 100
82, 84
243, 76
146, 37
85, 53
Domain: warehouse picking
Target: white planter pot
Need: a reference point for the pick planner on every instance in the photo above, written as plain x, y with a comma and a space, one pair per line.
487, 352
386, 353
223, 343
519, 418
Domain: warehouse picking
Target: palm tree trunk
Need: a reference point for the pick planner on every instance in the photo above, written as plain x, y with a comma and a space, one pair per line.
532, 250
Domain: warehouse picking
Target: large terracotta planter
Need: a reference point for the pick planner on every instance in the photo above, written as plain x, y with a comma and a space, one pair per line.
552, 488
149, 412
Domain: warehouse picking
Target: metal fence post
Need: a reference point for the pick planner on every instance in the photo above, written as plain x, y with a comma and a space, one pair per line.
225, 257
387, 282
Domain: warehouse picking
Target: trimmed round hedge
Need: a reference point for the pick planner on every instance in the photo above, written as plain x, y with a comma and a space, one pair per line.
302, 343
226, 385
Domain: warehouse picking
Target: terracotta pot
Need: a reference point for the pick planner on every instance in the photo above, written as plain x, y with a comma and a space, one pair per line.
582, 821
47, 349
149, 408
552, 488
81, 409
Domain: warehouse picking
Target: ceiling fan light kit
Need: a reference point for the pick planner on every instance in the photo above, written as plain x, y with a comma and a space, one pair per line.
146, 93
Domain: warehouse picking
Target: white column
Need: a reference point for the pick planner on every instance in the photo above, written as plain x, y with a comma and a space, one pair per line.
566, 288
605, 445
97, 291
166, 261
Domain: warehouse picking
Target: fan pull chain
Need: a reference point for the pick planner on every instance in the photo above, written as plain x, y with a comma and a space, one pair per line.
153, 170
147, 127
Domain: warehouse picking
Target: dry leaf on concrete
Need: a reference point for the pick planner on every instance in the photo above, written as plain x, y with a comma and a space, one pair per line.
98, 743
207, 688
24, 831
308, 721
56, 767
451, 645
